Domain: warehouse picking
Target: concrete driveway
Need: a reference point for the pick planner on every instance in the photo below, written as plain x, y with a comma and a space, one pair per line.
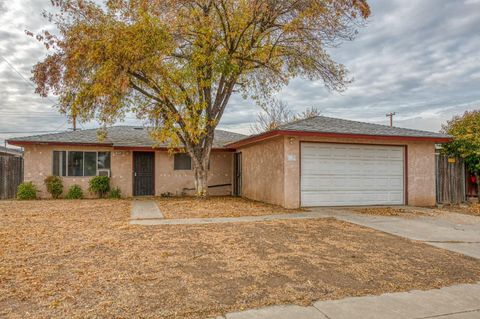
448, 230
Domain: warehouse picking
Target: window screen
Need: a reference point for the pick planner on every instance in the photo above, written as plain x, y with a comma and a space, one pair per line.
103, 160
59, 163
182, 161
90, 168
75, 163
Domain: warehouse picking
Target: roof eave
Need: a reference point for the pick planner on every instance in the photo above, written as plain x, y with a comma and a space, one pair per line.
161, 148
274, 133
11, 153
118, 147
23, 143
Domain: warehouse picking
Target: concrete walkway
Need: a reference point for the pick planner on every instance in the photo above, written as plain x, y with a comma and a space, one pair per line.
455, 302
452, 231
221, 220
144, 210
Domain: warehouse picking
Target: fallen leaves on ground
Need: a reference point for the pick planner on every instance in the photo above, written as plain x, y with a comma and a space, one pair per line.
469, 209
391, 211
217, 206
82, 259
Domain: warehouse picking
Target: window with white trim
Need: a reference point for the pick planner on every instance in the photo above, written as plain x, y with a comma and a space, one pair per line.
78, 163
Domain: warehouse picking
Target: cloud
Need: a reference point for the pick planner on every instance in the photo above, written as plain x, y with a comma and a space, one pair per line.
417, 58
413, 56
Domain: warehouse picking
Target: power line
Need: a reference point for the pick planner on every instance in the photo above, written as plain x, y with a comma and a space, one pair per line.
25, 132
45, 115
31, 116
31, 112
23, 78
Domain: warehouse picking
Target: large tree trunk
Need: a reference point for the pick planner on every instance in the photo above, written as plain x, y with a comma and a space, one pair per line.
200, 159
201, 181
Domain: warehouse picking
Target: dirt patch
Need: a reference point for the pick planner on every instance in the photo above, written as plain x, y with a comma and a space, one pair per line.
391, 211
221, 206
81, 259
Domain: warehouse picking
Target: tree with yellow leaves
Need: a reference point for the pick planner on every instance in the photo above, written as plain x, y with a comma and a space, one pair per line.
465, 131
176, 63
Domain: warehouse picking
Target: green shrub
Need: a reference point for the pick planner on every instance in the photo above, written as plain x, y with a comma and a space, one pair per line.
99, 185
75, 192
27, 191
115, 193
54, 186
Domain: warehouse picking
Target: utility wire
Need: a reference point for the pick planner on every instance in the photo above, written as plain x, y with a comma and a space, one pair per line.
23, 78
24, 132
44, 115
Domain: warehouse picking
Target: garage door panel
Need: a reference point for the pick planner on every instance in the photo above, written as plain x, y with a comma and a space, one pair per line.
352, 198
345, 167
345, 174
325, 183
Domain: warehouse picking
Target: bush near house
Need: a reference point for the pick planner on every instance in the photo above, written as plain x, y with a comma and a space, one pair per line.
54, 186
115, 193
99, 185
75, 192
27, 191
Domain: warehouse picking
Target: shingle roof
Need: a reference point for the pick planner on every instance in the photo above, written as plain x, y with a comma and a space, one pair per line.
323, 124
329, 126
11, 151
131, 136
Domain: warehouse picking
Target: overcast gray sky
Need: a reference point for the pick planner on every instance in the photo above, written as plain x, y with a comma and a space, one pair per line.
420, 59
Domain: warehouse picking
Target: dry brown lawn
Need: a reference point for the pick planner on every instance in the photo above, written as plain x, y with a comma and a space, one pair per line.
219, 206
81, 259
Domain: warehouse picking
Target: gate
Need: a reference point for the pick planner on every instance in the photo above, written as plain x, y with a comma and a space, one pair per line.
11, 175
450, 179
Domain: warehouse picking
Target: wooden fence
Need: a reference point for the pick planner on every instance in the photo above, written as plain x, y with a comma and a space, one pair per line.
450, 179
11, 175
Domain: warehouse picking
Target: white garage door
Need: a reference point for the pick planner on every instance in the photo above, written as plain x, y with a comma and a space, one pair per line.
348, 174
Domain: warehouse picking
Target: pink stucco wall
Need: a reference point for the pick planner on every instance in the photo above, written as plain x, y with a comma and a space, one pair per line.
175, 182
271, 170
277, 180
38, 165
263, 171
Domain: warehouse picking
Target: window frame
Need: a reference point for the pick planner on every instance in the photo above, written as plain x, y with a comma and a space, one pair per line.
62, 169
64, 156
182, 169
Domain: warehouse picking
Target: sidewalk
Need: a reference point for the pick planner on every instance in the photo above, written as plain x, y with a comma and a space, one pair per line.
221, 220
454, 302
144, 210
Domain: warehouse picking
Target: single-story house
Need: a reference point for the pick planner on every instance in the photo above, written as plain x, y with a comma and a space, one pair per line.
319, 161
7, 151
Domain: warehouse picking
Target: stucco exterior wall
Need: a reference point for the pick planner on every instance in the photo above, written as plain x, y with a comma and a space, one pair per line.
263, 171
177, 182
421, 174
121, 175
38, 165
271, 169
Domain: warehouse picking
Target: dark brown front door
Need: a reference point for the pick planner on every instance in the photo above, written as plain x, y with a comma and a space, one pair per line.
143, 173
